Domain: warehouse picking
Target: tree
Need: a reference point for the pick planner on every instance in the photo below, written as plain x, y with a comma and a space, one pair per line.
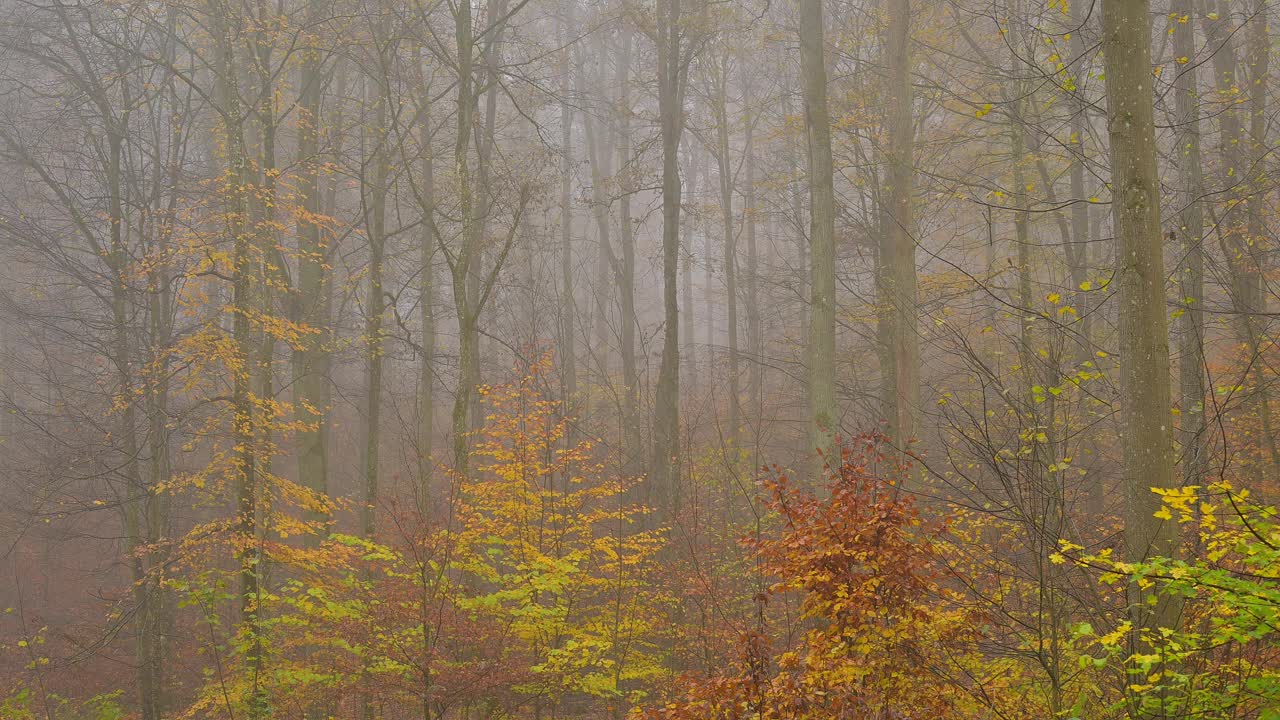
897, 265
822, 259
673, 73
1144, 353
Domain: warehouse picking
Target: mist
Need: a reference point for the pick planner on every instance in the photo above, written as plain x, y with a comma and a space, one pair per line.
666, 359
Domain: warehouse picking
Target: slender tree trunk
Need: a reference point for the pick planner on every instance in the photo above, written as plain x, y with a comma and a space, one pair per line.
377, 138
468, 342
802, 270
600, 150
627, 246
1243, 256
136, 505
309, 302
725, 167
755, 333
901, 374
568, 307
666, 421
687, 308
1077, 252
1191, 365
822, 323
426, 310
243, 421
1258, 58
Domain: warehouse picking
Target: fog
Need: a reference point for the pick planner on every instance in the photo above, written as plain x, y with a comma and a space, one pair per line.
655, 359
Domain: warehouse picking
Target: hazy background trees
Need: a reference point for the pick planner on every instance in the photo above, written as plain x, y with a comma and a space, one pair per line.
263, 265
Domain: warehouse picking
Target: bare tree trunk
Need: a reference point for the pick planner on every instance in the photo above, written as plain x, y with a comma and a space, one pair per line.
243, 422
822, 323
755, 333
687, 312
1243, 256
802, 270
136, 505
1144, 348
568, 307
672, 71
1191, 364
309, 302
901, 374
599, 141
468, 340
1077, 252
725, 167
426, 309
725, 170
377, 137
627, 286
1258, 58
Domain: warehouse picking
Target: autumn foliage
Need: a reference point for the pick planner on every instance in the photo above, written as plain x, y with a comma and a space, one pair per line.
877, 630
532, 588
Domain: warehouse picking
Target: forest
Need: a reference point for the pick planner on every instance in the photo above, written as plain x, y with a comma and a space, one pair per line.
639, 359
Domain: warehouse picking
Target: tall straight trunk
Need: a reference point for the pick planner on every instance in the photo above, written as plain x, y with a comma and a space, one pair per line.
1039, 493
822, 262
755, 333
331, 196
708, 280
426, 309
687, 311
158, 510
672, 71
1191, 365
1077, 252
461, 270
1078, 249
1258, 59
599, 151
1143, 339
375, 304
798, 225
725, 167
568, 308
900, 393
309, 302
485, 141
135, 510
627, 246
1243, 256
243, 422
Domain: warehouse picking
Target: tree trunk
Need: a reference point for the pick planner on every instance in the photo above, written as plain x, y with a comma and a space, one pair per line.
310, 395
568, 307
1143, 339
1191, 364
672, 71
426, 310
687, 312
1243, 256
725, 167
375, 304
627, 245
822, 323
755, 333
901, 374
1077, 252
